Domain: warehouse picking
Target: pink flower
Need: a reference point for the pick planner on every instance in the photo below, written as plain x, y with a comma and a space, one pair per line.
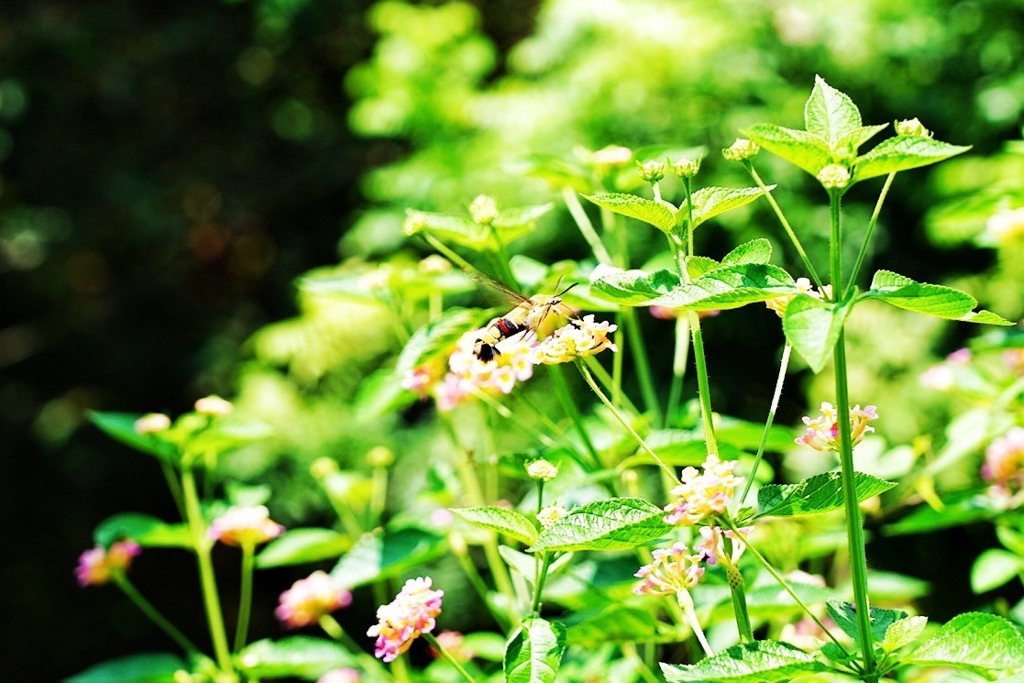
244, 526
673, 570
341, 676
1004, 459
823, 432
151, 423
99, 565
712, 545
702, 494
418, 380
454, 644
412, 612
959, 357
309, 599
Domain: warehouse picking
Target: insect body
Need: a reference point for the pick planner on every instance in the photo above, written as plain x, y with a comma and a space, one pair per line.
528, 315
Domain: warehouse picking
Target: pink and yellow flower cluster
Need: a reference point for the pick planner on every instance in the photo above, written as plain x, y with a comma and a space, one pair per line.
823, 432
1004, 462
99, 565
702, 493
673, 570
311, 598
245, 526
578, 339
412, 612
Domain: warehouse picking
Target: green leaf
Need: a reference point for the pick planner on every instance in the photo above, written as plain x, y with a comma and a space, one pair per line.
762, 661
925, 519
146, 530
155, 667
121, 427
993, 568
754, 251
458, 229
504, 521
845, 616
436, 337
820, 493
631, 287
697, 266
981, 641
812, 327
298, 546
661, 215
297, 656
615, 623
534, 652
709, 202
527, 564
384, 555
803, 149
830, 113
903, 632
614, 524
521, 215
855, 138
937, 300
729, 287
901, 153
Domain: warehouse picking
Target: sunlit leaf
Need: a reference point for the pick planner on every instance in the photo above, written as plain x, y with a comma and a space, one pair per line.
754, 251
614, 524
830, 113
298, 546
937, 300
857, 137
806, 150
812, 327
845, 616
534, 652
384, 555
156, 667
820, 493
901, 153
631, 287
981, 641
993, 568
297, 656
709, 202
121, 427
661, 215
504, 521
146, 530
729, 287
436, 337
762, 661
903, 632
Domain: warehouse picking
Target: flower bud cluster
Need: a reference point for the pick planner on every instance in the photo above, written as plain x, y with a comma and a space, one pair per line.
484, 209
99, 565
912, 127
152, 423
823, 432
741, 150
311, 598
651, 171
685, 168
550, 515
244, 526
541, 470
834, 176
702, 494
214, 406
412, 612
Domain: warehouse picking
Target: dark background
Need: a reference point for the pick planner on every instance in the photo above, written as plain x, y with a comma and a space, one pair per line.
156, 204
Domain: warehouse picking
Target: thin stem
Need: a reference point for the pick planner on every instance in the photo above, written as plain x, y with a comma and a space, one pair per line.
607, 381
867, 235
504, 412
622, 420
202, 546
543, 418
448, 253
538, 588
617, 360
785, 225
245, 601
836, 243
783, 365
679, 359
174, 485
782, 582
686, 602
739, 606
854, 528
147, 608
572, 203
629, 650
502, 260
447, 655
562, 389
332, 628
642, 364
379, 494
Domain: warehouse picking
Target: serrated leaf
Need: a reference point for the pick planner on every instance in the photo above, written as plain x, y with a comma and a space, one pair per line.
534, 652
436, 337
709, 202
631, 287
921, 297
661, 215
504, 521
155, 667
830, 113
297, 656
812, 327
614, 524
903, 632
762, 661
121, 427
855, 138
901, 153
298, 546
755, 251
820, 493
146, 530
981, 641
729, 287
845, 616
806, 150
383, 555
697, 266
993, 568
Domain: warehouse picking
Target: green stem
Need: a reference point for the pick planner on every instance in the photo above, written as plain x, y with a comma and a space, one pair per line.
622, 420
379, 494
679, 359
562, 389
332, 628
616, 378
783, 365
245, 601
174, 485
686, 603
854, 528
147, 608
608, 382
642, 364
504, 412
572, 202
867, 235
629, 650
739, 604
448, 253
785, 224
538, 588
451, 660
836, 243
202, 546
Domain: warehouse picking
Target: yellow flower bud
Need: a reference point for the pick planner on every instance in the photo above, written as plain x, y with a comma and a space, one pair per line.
484, 209
834, 176
741, 150
912, 127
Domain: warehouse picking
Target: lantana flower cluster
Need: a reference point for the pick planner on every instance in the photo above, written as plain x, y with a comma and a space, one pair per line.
412, 612
712, 544
245, 526
311, 598
823, 432
99, 565
702, 493
942, 376
578, 339
1004, 463
673, 570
